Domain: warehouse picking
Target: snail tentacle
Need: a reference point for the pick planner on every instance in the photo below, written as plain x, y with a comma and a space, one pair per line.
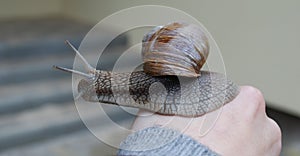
85, 62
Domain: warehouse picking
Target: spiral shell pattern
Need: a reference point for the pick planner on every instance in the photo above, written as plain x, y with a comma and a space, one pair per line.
175, 49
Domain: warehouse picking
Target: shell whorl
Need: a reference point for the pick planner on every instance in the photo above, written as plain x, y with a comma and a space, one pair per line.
175, 49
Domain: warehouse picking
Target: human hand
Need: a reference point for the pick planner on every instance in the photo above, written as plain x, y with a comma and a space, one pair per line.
242, 128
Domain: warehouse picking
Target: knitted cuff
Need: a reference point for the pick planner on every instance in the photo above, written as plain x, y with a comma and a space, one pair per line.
159, 141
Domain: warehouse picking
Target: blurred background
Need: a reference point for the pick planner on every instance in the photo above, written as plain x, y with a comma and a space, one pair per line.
259, 41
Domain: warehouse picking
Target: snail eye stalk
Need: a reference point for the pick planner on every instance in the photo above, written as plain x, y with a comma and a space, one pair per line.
87, 66
73, 71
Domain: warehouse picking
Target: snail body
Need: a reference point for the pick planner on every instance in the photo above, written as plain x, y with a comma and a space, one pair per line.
168, 95
171, 82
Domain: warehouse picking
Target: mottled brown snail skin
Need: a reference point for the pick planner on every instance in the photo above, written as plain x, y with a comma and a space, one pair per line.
167, 95
171, 82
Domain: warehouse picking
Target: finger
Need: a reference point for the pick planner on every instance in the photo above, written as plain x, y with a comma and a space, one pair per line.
248, 103
274, 131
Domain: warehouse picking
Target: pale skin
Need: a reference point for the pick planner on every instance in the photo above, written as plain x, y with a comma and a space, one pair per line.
243, 128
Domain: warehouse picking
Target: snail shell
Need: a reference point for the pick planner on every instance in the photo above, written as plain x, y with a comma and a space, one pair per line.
175, 49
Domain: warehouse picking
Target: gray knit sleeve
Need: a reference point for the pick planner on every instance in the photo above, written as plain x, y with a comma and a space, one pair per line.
157, 141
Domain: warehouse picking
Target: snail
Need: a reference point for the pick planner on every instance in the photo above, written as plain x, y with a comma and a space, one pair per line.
171, 83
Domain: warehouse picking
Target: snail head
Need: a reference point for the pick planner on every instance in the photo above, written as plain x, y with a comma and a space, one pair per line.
86, 86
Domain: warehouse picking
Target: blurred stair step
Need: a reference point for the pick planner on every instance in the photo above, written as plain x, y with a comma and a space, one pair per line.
81, 143
43, 36
33, 69
50, 121
40, 68
37, 48
38, 36
36, 102
28, 95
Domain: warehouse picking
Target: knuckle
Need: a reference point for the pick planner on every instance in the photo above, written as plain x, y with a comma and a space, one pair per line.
255, 104
275, 134
277, 140
255, 93
276, 130
257, 98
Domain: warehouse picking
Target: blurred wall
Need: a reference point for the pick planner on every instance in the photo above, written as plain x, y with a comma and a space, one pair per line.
29, 8
259, 39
